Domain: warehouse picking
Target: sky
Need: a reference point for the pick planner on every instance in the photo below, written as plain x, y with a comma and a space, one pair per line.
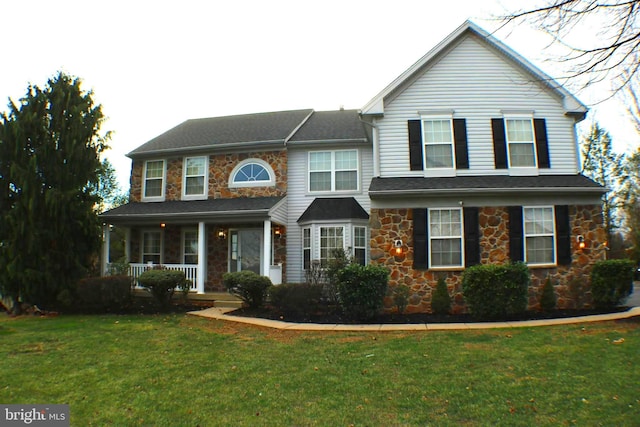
154, 64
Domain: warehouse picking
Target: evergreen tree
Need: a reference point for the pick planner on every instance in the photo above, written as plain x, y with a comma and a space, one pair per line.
50, 145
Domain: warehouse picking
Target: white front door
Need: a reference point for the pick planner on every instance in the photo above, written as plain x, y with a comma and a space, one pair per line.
245, 250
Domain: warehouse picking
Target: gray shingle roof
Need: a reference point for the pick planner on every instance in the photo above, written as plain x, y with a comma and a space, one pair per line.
236, 207
208, 132
418, 185
333, 209
331, 125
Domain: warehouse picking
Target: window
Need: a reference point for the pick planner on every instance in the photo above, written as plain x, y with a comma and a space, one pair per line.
252, 173
195, 176
438, 144
445, 238
306, 248
152, 247
331, 238
520, 142
360, 245
154, 179
190, 247
333, 170
539, 232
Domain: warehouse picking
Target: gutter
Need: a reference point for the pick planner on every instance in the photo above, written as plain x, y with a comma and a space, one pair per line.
209, 148
425, 192
376, 145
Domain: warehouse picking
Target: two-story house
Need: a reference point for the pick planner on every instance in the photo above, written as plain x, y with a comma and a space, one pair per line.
470, 156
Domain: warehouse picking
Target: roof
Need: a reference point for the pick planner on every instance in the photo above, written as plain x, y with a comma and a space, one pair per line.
239, 208
492, 184
571, 104
331, 126
226, 131
333, 209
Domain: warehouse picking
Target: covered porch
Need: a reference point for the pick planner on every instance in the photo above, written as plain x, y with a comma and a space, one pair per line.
205, 239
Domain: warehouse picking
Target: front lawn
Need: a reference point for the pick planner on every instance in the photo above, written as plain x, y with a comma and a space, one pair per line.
176, 370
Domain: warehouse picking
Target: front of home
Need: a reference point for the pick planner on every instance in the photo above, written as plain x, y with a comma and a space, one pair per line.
470, 156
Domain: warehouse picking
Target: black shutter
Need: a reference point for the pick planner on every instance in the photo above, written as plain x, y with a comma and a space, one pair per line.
420, 255
415, 144
542, 144
499, 143
516, 246
471, 237
460, 138
563, 235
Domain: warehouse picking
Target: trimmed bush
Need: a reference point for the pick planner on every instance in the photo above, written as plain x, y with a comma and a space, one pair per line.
496, 292
162, 283
296, 299
611, 282
361, 290
103, 294
548, 296
401, 297
250, 287
440, 299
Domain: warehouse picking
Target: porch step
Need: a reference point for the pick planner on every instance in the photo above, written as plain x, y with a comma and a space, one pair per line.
223, 299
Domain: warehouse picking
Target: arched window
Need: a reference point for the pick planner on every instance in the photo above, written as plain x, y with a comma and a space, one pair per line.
252, 173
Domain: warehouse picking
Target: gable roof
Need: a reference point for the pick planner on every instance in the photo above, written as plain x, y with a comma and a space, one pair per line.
226, 132
333, 209
341, 125
572, 105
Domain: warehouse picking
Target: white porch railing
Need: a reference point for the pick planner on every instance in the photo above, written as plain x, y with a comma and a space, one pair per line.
190, 271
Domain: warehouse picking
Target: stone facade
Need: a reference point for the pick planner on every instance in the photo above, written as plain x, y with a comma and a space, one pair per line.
571, 282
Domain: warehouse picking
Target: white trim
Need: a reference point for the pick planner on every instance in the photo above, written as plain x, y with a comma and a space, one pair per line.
333, 171
144, 181
205, 189
142, 252
270, 183
554, 236
438, 171
521, 170
431, 237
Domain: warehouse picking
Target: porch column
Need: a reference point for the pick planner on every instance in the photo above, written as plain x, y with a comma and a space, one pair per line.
266, 259
202, 257
106, 248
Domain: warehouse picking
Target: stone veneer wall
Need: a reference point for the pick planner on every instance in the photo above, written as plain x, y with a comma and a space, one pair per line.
572, 282
220, 168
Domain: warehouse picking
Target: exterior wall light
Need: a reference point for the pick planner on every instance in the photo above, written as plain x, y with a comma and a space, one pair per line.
222, 234
397, 247
163, 225
277, 232
581, 243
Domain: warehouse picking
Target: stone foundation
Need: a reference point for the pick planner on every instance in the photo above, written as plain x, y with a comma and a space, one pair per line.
571, 282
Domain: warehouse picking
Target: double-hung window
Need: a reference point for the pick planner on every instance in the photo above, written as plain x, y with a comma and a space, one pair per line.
153, 180
195, 177
152, 247
190, 246
360, 245
445, 238
333, 170
539, 235
437, 134
521, 144
306, 248
331, 239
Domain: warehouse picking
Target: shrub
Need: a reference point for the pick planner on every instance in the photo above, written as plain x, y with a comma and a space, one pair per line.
611, 282
339, 260
578, 291
401, 297
162, 283
548, 296
361, 290
103, 294
250, 287
440, 299
296, 299
496, 291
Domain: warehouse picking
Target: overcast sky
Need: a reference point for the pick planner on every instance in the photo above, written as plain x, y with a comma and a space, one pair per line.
155, 64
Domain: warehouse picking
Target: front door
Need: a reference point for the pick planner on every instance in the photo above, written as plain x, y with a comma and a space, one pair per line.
245, 250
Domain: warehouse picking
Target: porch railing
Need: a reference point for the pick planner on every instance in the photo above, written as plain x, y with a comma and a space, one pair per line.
190, 271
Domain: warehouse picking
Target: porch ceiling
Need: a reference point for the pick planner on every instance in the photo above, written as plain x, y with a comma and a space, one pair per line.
239, 209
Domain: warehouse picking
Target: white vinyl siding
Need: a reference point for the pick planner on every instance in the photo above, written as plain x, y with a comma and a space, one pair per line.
478, 84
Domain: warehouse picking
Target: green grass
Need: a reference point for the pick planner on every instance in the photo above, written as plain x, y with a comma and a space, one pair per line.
177, 370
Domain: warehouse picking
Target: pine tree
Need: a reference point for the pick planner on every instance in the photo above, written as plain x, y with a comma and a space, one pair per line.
50, 146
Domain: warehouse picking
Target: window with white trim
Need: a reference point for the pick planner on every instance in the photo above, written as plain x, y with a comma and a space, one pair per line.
360, 245
152, 247
437, 137
539, 235
252, 173
190, 246
306, 248
195, 177
333, 170
331, 238
153, 179
521, 144
445, 238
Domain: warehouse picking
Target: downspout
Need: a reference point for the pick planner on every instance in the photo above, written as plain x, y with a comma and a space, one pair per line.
376, 146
